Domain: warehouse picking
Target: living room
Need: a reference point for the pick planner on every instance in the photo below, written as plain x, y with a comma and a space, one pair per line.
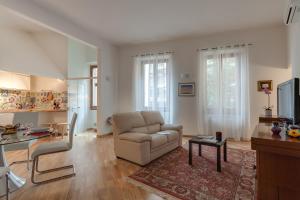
186, 101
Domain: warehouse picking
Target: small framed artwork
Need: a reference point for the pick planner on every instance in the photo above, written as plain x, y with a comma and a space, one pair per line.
186, 89
264, 84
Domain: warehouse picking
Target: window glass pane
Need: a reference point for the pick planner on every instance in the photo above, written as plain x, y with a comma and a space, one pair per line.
148, 85
162, 89
223, 82
156, 87
230, 81
212, 83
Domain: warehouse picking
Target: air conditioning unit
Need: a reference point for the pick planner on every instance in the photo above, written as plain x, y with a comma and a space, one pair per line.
293, 12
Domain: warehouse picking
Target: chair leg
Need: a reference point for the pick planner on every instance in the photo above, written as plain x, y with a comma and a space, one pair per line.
23, 161
7, 189
35, 169
28, 158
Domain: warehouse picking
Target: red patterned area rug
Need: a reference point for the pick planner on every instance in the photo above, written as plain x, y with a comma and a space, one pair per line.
172, 177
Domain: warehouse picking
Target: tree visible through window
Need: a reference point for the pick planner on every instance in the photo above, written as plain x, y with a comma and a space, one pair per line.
94, 86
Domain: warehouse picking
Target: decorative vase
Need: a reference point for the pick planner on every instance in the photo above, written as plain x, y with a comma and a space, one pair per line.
275, 128
268, 112
219, 136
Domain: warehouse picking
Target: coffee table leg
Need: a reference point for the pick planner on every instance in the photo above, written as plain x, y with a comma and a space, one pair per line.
200, 150
225, 151
218, 159
190, 153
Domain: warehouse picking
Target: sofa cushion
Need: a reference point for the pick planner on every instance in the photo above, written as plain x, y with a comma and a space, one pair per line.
152, 117
136, 137
153, 128
171, 134
142, 129
123, 122
158, 140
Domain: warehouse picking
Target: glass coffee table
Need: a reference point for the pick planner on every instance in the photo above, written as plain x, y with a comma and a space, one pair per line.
15, 181
208, 142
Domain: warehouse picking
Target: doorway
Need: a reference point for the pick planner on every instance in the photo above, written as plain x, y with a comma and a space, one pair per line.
82, 85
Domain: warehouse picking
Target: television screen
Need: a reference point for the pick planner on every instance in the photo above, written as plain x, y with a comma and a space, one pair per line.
288, 100
285, 99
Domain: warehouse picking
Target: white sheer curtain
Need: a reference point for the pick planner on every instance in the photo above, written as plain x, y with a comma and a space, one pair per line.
223, 96
153, 84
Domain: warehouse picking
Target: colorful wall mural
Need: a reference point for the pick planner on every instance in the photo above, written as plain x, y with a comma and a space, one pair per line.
24, 100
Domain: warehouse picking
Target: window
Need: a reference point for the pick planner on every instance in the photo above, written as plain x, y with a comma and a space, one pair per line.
93, 86
223, 82
154, 79
224, 92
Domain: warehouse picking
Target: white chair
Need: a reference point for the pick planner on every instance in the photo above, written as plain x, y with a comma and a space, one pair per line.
4, 181
51, 148
8, 119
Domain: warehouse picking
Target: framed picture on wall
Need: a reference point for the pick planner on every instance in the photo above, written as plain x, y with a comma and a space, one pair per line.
186, 89
264, 84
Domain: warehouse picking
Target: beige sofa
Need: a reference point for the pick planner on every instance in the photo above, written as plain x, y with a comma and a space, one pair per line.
143, 136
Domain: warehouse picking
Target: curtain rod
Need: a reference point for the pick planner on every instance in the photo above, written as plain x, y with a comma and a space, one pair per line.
226, 46
152, 54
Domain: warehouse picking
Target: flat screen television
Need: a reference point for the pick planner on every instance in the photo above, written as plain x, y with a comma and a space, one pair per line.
288, 100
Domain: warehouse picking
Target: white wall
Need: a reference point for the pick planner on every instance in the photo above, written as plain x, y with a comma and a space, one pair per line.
19, 52
268, 60
9, 80
55, 46
108, 87
39, 83
294, 48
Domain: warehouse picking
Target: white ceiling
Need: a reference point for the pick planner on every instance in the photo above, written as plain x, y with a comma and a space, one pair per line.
138, 21
10, 19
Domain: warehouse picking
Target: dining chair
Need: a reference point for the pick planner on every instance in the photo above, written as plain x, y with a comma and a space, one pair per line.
4, 181
52, 148
9, 119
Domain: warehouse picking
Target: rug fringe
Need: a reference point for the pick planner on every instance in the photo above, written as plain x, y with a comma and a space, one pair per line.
150, 189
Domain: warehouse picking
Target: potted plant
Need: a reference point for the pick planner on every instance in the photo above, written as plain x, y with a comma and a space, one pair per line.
268, 108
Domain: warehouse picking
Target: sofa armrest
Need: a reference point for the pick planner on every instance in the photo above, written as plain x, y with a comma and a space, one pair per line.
171, 127
135, 137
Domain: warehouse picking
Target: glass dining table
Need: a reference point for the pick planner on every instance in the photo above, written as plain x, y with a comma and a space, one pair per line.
15, 181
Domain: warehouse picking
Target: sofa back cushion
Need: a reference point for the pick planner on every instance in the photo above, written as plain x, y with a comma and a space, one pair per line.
154, 128
152, 117
123, 122
142, 129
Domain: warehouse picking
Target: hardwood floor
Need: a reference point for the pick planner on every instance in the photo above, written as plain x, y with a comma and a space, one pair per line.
99, 175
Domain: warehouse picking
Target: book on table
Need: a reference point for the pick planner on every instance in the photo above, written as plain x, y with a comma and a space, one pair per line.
206, 138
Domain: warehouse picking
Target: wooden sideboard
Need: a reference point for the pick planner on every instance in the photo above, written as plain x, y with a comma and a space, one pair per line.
270, 119
277, 165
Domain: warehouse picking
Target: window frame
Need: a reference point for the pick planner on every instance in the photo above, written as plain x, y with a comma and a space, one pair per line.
92, 68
